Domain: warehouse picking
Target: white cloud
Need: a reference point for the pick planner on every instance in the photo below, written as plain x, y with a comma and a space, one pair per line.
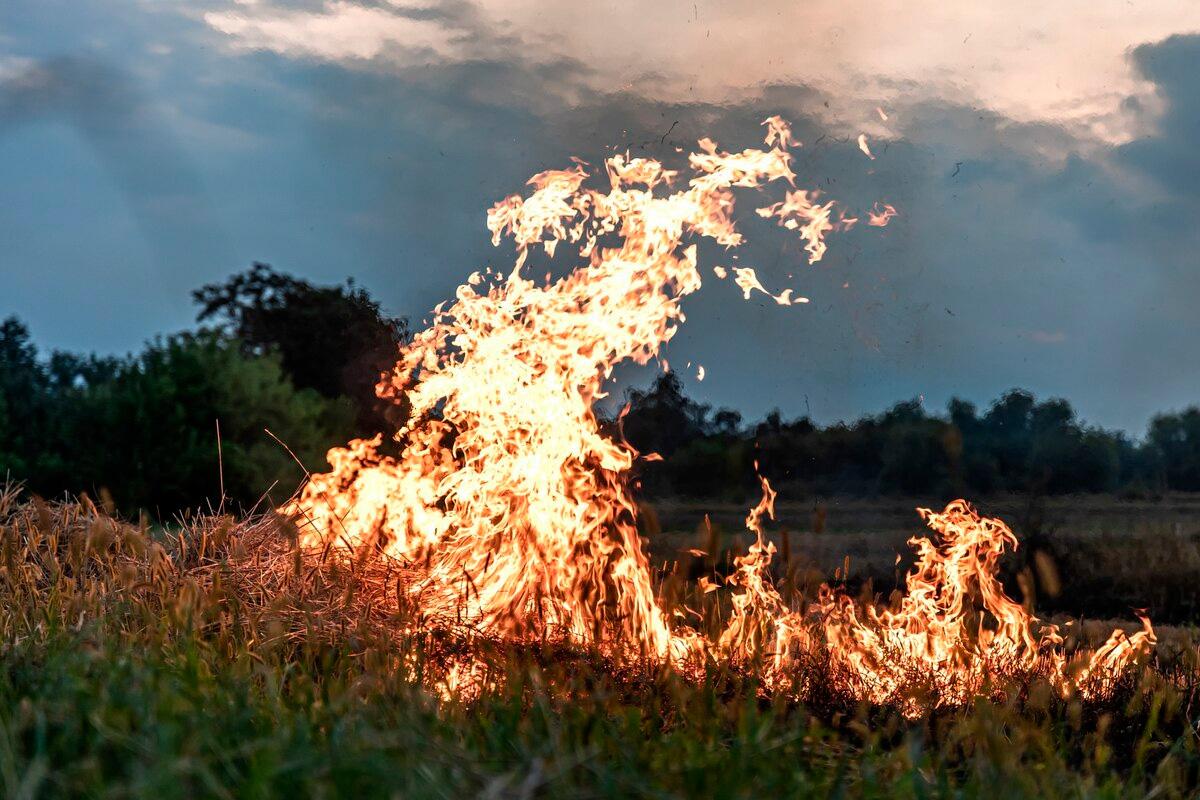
1029, 60
1064, 63
339, 31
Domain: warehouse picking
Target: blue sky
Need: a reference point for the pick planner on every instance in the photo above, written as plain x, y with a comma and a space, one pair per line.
1045, 166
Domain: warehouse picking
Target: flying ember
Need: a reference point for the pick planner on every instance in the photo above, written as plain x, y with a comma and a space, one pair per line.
512, 508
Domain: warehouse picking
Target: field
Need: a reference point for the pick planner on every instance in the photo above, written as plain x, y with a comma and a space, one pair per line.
1105, 556
216, 660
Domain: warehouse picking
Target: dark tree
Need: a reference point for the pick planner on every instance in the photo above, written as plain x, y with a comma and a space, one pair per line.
1175, 442
24, 412
704, 456
142, 429
333, 339
914, 456
663, 419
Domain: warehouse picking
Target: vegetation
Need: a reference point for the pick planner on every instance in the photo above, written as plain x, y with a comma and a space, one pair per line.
303, 361
211, 657
185, 422
221, 663
335, 340
1019, 445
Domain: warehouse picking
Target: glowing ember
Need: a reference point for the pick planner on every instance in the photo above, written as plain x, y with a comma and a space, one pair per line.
514, 511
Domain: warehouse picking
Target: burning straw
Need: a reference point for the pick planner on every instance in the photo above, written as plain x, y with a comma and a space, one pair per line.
508, 516
506, 524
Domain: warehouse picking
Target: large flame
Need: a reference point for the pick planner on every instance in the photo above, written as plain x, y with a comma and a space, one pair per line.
513, 507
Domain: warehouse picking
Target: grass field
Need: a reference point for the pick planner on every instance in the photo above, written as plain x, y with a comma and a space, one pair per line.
1110, 556
218, 662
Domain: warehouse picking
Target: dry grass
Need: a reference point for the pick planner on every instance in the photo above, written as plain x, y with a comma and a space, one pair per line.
218, 660
1109, 556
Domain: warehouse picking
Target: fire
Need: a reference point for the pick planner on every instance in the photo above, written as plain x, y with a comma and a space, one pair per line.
880, 215
956, 624
512, 508
864, 147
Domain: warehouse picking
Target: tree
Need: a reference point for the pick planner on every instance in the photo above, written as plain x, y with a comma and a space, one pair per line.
1175, 441
663, 419
703, 456
914, 456
24, 411
144, 428
335, 340
148, 433
1005, 434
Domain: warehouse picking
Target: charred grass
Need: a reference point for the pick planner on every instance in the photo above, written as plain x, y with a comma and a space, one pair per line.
215, 660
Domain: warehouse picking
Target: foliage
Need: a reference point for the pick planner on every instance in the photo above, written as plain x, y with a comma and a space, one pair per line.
1018, 445
303, 360
333, 339
1175, 441
704, 452
144, 430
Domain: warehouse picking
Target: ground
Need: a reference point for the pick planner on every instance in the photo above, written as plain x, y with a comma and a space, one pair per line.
217, 663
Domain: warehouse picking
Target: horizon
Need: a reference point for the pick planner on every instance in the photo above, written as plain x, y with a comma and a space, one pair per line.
621, 390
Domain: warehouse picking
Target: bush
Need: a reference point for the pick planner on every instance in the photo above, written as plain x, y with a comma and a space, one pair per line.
144, 429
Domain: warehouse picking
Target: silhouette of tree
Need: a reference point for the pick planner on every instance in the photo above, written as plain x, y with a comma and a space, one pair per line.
333, 339
1175, 442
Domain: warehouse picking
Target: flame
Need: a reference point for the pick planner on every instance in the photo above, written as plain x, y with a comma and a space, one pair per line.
880, 215
747, 280
862, 145
513, 509
799, 210
956, 624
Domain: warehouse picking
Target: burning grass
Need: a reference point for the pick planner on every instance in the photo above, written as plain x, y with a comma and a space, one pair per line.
221, 659
514, 508
480, 607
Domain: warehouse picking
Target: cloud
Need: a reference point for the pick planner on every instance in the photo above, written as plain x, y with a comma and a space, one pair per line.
340, 31
374, 148
1048, 337
860, 51
1171, 154
940, 302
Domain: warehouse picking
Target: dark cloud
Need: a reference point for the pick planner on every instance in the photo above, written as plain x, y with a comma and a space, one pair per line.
942, 301
1170, 156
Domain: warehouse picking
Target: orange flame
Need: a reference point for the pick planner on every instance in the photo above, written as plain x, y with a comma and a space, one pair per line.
880, 215
514, 509
956, 624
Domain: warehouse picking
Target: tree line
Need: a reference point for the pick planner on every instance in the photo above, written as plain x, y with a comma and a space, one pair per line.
1018, 444
184, 423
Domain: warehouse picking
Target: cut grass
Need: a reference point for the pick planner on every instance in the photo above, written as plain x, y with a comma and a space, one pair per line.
215, 663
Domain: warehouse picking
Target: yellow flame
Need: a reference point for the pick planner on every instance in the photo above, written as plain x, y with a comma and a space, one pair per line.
513, 508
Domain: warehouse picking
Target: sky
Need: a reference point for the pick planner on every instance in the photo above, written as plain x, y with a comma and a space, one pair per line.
1044, 161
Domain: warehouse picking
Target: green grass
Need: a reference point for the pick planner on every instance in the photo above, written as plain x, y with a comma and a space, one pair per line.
140, 669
